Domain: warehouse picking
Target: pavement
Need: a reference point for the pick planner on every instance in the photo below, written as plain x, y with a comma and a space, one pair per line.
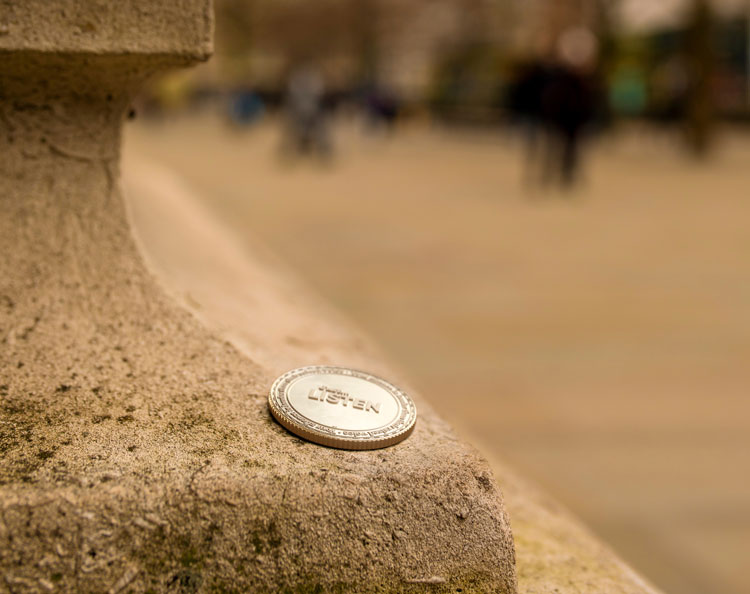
596, 340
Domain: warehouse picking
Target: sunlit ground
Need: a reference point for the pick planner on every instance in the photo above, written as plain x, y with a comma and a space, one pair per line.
597, 340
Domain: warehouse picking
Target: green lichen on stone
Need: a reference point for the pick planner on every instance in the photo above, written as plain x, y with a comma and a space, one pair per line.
131, 428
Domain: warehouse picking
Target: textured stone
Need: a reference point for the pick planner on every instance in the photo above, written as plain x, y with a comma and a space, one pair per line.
146, 27
555, 554
137, 450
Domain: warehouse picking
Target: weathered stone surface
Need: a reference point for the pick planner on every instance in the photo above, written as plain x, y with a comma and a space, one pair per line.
554, 553
137, 450
178, 27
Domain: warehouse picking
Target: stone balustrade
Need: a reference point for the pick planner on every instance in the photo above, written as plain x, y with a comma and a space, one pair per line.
137, 451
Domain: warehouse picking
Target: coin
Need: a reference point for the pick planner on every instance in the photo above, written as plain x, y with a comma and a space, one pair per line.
342, 408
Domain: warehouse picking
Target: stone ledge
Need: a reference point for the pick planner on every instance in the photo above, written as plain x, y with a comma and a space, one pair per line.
555, 554
223, 530
131, 26
117, 406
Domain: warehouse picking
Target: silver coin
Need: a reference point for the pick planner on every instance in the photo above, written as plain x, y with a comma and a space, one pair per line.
342, 408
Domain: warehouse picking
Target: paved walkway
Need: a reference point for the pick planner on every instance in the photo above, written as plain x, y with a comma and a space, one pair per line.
598, 342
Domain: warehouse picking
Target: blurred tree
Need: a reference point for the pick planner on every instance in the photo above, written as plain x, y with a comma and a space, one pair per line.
235, 23
365, 19
700, 59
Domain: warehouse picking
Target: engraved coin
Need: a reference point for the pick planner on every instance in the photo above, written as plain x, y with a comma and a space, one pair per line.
342, 408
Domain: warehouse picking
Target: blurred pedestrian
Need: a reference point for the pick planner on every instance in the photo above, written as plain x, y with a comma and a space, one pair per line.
245, 107
568, 104
307, 126
524, 102
381, 108
670, 84
556, 98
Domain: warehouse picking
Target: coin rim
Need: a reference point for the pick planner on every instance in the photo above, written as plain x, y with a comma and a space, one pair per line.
321, 434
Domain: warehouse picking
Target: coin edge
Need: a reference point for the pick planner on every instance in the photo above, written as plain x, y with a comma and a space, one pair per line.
325, 439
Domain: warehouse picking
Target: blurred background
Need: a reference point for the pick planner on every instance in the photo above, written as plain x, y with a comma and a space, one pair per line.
538, 208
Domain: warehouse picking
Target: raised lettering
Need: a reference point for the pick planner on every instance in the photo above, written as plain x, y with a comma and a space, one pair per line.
334, 396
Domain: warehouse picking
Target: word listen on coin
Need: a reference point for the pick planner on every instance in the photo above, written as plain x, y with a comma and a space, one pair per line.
333, 396
342, 408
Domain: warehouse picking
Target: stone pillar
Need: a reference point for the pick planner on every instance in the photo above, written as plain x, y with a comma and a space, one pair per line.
136, 450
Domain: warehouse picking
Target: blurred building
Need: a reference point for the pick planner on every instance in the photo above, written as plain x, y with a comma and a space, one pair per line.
456, 56
392, 42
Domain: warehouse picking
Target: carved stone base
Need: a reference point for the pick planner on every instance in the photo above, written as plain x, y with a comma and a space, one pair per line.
137, 451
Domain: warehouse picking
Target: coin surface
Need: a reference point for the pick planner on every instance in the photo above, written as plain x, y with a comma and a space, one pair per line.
342, 408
